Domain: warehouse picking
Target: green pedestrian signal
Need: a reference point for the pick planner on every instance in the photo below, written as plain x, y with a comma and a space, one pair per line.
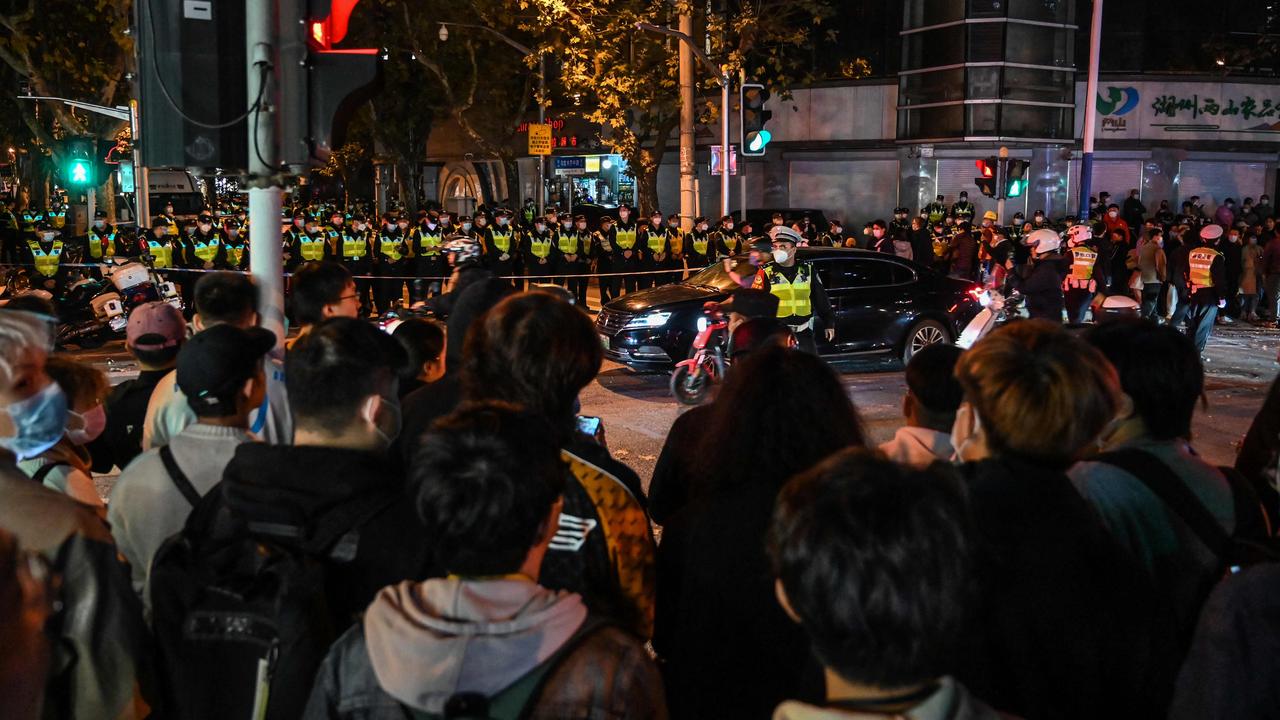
79, 168
1015, 177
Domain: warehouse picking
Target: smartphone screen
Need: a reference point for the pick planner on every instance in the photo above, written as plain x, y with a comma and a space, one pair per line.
588, 425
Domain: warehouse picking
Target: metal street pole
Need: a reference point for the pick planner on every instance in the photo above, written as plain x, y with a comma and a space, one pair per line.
1090, 109
264, 185
542, 120
1001, 179
141, 178
742, 169
688, 170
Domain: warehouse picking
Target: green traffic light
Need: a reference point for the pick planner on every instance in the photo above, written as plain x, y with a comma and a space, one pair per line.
1015, 188
79, 173
756, 141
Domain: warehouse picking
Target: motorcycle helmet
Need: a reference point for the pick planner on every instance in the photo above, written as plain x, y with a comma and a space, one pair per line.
1042, 242
1078, 235
464, 249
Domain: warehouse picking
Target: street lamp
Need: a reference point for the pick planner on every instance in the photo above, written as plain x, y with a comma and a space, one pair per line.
542, 87
723, 74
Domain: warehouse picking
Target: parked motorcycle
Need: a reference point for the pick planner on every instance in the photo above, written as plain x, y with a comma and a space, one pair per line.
692, 379
94, 310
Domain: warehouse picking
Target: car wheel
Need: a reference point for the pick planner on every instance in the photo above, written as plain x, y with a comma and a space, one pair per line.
922, 335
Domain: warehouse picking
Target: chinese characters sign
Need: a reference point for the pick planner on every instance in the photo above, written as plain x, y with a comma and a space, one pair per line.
1191, 110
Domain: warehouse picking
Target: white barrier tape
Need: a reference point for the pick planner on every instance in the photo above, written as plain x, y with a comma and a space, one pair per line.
398, 277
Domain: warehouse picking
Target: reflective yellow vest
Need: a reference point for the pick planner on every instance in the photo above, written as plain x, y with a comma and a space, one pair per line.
540, 248
502, 240
390, 248
730, 241
677, 241
700, 242
793, 297
162, 252
657, 241
101, 245
58, 219
1083, 260
312, 247
235, 253
1200, 262
353, 247
171, 223
206, 251
626, 238
46, 262
428, 243
569, 245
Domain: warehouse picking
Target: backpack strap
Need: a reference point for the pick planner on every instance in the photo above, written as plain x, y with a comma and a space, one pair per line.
1160, 479
43, 471
179, 478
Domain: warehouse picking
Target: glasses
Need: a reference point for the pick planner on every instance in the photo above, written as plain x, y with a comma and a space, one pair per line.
352, 296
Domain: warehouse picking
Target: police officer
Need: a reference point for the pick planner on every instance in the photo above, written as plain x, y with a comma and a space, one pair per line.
727, 240
538, 243
834, 236
446, 226
426, 244
801, 296
698, 250
471, 226
165, 250
573, 248
353, 249
608, 258
391, 250
1041, 281
169, 219
44, 251
101, 238
312, 246
676, 239
656, 250
1205, 276
206, 250
502, 246
235, 240
899, 223
963, 210
1013, 230
936, 211
527, 214
628, 238
566, 225
1080, 285
56, 215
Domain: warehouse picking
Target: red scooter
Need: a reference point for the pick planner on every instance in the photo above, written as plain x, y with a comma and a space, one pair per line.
692, 379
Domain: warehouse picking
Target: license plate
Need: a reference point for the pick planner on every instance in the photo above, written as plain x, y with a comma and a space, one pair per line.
604, 340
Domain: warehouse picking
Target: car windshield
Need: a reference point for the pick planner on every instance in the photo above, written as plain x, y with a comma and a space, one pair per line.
713, 276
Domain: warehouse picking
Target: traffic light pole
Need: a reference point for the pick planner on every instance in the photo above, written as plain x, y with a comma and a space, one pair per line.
1001, 180
265, 192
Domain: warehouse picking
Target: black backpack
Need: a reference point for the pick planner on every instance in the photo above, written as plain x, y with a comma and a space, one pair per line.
239, 612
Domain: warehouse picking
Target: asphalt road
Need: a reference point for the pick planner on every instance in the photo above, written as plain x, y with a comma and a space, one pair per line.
638, 410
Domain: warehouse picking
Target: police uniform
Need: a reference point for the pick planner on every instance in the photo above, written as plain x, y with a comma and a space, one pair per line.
1205, 277
350, 247
800, 295
627, 235
676, 240
57, 217
655, 253
963, 210
234, 239
169, 221
900, 222
608, 260
936, 211
727, 240
502, 248
572, 254
101, 241
206, 251
10, 234
1080, 285
391, 250
426, 245
538, 246
698, 247
44, 252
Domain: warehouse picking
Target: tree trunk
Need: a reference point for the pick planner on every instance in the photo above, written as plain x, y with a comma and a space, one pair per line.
511, 171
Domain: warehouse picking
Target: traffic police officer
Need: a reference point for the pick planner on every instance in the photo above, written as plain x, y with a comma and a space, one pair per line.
169, 220
351, 248
234, 240
573, 249
727, 240
427, 246
656, 250
44, 251
1080, 286
628, 236
206, 249
698, 249
963, 210
101, 238
899, 223
936, 211
391, 248
801, 296
1206, 280
501, 247
538, 243
57, 215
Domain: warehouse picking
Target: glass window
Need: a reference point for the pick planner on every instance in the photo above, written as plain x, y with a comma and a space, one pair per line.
932, 87
931, 123
934, 48
920, 13
1038, 45
851, 274
1039, 85
1055, 11
986, 42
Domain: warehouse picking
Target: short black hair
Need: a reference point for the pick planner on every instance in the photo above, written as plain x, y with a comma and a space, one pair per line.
158, 357
875, 561
315, 285
423, 342
1159, 370
331, 370
33, 304
931, 378
536, 350
487, 477
225, 297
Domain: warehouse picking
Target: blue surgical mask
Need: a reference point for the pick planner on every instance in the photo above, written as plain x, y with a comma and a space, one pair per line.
40, 421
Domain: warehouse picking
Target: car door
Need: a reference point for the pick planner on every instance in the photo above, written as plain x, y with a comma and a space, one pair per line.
868, 296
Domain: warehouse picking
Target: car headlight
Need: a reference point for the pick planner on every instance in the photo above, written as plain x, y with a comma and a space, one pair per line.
648, 320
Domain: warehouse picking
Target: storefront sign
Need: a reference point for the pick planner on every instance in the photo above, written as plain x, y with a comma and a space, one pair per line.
1186, 110
539, 139
571, 165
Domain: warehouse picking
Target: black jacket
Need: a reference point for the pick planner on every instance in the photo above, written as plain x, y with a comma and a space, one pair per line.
126, 408
670, 488
290, 485
1060, 627
1042, 287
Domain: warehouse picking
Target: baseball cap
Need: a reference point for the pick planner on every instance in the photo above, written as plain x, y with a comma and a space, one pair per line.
752, 303
155, 326
216, 361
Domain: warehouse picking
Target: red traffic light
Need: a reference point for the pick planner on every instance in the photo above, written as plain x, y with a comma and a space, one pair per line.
983, 167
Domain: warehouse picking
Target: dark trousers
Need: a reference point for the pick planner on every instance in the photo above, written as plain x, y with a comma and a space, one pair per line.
806, 341
428, 283
576, 283
1200, 318
1150, 300
610, 287
391, 289
1078, 301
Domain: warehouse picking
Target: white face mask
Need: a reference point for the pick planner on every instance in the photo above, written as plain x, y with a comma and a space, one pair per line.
99, 223
91, 425
48, 237
1112, 213
502, 222
966, 435
204, 228
780, 256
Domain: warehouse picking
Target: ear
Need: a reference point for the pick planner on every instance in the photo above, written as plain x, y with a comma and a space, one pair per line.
1126, 409
197, 322
369, 410
551, 525
781, 594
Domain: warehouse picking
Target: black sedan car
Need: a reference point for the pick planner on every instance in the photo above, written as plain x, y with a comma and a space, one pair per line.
882, 305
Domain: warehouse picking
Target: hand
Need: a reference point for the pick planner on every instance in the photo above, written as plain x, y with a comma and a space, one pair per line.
831, 334
1222, 304
504, 257
626, 254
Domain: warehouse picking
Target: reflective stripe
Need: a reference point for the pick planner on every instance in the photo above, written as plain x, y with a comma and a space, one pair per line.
502, 241
354, 247
539, 248
1082, 263
793, 297
162, 252
428, 243
390, 248
657, 242
207, 251
626, 238
99, 243
569, 245
700, 243
1200, 261
235, 254
46, 262
312, 248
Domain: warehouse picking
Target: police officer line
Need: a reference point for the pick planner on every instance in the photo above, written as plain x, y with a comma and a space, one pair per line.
670, 271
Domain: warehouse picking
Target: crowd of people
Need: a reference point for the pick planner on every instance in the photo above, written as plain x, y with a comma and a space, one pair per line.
367, 524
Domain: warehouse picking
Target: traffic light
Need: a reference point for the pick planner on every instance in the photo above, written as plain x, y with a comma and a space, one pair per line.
752, 117
1015, 177
80, 167
320, 85
986, 181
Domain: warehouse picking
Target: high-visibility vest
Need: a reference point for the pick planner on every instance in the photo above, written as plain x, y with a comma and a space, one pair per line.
677, 241
937, 211
540, 247
101, 245
1083, 261
162, 252
235, 253
46, 262
312, 247
353, 247
502, 240
626, 238
793, 296
171, 224
730, 240
390, 248
428, 243
206, 251
58, 219
657, 241
700, 241
568, 244
1200, 268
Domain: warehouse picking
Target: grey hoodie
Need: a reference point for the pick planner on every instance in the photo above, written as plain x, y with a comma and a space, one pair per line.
428, 641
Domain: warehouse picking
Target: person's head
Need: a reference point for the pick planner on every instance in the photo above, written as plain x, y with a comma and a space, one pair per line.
917, 223
342, 380
757, 333
323, 290
424, 342
727, 222
34, 414
221, 373
155, 334
1159, 370
1034, 391
964, 195
873, 560
1155, 235
225, 297
85, 388
784, 241
1113, 210
1264, 199
789, 397
878, 228
933, 393
748, 304
536, 350
490, 481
